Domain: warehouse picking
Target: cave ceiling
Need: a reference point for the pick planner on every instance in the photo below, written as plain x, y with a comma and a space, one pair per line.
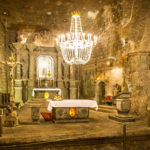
49, 14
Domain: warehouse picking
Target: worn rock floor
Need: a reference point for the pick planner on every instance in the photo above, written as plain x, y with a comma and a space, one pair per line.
100, 129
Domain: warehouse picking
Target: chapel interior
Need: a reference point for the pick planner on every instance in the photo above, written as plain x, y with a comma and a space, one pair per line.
33, 66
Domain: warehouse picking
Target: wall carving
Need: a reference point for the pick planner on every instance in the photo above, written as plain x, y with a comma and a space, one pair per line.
43, 38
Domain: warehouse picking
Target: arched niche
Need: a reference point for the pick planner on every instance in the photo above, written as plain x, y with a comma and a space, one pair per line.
45, 67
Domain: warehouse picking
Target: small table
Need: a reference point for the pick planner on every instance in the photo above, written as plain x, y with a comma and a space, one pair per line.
71, 110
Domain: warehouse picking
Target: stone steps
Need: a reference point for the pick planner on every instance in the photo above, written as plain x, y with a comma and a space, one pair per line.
106, 109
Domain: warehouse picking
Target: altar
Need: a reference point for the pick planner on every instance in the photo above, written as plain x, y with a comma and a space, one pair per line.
41, 91
71, 110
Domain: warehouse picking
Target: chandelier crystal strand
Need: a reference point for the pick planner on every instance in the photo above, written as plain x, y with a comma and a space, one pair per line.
76, 47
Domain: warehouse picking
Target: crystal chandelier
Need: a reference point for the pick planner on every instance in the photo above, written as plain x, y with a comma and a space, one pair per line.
76, 46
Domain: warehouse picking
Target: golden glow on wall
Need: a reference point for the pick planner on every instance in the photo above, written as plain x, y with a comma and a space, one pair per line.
100, 78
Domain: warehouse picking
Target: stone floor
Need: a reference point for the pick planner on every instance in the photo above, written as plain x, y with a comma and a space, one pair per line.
99, 133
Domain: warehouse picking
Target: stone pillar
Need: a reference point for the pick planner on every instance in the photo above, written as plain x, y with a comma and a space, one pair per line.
78, 82
60, 82
59, 68
32, 64
66, 91
66, 81
139, 75
73, 88
3, 57
18, 82
97, 92
55, 73
17, 47
25, 90
35, 113
18, 67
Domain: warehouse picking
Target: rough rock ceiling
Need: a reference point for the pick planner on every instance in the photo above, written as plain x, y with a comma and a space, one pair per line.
53, 14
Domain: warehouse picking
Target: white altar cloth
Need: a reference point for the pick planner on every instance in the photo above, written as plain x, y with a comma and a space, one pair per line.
73, 103
46, 89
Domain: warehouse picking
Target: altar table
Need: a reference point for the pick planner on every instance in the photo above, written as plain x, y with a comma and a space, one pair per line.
71, 110
46, 89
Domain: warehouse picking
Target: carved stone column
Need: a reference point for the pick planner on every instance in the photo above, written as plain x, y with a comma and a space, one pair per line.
97, 93
55, 73
60, 81
73, 88
18, 67
59, 68
66, 81
31, 70
17, 48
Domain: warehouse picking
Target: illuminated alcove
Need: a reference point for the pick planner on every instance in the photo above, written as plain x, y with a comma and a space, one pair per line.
45, 67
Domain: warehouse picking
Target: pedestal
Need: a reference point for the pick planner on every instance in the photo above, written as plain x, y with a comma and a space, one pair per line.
35, 113
18, 96
18, 92
123, 105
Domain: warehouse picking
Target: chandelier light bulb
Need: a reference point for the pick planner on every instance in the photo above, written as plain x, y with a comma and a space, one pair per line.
75, 47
